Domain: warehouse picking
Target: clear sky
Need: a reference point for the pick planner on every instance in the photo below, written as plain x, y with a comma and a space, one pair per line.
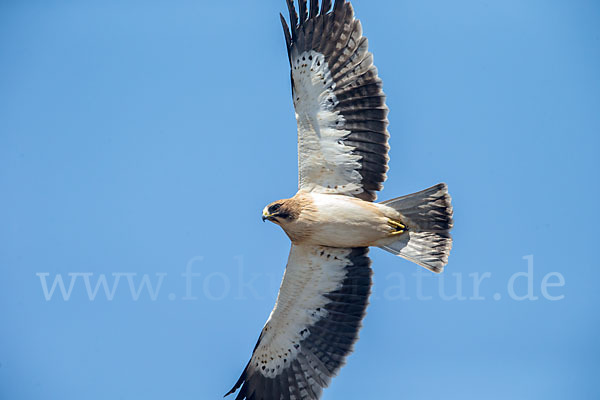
143, 138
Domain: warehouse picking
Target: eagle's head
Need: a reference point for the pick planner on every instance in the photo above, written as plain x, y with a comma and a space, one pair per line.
281, 211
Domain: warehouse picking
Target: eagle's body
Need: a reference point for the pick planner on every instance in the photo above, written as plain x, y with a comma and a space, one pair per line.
333, 219
338, 221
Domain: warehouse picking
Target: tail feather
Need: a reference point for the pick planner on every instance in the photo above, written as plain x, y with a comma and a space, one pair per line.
428, 216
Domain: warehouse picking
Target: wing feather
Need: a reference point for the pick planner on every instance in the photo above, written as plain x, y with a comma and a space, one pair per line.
314, 8
340, 106
302, 10
313, 327
286, 33
325, 7
293, 17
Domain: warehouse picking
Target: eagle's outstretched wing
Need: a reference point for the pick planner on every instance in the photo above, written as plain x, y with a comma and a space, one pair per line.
340, 106
311, 330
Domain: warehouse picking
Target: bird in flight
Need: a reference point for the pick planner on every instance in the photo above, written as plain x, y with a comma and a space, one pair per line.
333, 219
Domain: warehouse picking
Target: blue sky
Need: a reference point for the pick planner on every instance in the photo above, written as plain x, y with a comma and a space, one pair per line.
143, 138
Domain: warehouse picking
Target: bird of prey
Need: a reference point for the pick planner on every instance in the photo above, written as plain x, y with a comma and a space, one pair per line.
333, 220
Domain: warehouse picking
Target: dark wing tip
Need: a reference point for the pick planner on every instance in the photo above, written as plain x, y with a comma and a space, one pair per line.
293, 17
286, 33
338, 4
314, 8
237, 384
304, 13
302, 10
325, 7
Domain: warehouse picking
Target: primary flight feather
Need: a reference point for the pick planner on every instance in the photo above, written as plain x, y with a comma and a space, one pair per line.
333, 220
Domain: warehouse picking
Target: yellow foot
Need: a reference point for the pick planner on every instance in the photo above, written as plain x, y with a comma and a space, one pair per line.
398, 228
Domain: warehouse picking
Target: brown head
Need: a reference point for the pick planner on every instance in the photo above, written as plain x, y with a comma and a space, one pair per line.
281, 211
295, 216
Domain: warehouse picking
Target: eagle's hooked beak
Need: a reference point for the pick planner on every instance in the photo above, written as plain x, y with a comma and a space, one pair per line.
266, 215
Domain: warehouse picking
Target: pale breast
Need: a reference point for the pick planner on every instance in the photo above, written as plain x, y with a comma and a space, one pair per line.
343, 221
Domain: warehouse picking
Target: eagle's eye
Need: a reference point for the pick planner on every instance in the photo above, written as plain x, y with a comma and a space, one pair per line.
274, 208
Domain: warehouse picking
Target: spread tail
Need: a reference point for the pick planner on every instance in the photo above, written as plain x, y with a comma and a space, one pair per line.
428, 218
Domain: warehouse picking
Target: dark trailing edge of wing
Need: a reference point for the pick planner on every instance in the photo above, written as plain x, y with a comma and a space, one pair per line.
337, 35
324, 350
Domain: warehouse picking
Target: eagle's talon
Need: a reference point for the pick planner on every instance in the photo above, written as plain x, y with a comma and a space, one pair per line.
398, 227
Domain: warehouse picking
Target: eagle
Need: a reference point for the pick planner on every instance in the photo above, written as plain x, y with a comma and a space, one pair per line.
333, 219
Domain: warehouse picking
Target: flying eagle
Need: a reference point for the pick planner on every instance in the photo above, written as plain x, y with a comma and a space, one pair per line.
333, 219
